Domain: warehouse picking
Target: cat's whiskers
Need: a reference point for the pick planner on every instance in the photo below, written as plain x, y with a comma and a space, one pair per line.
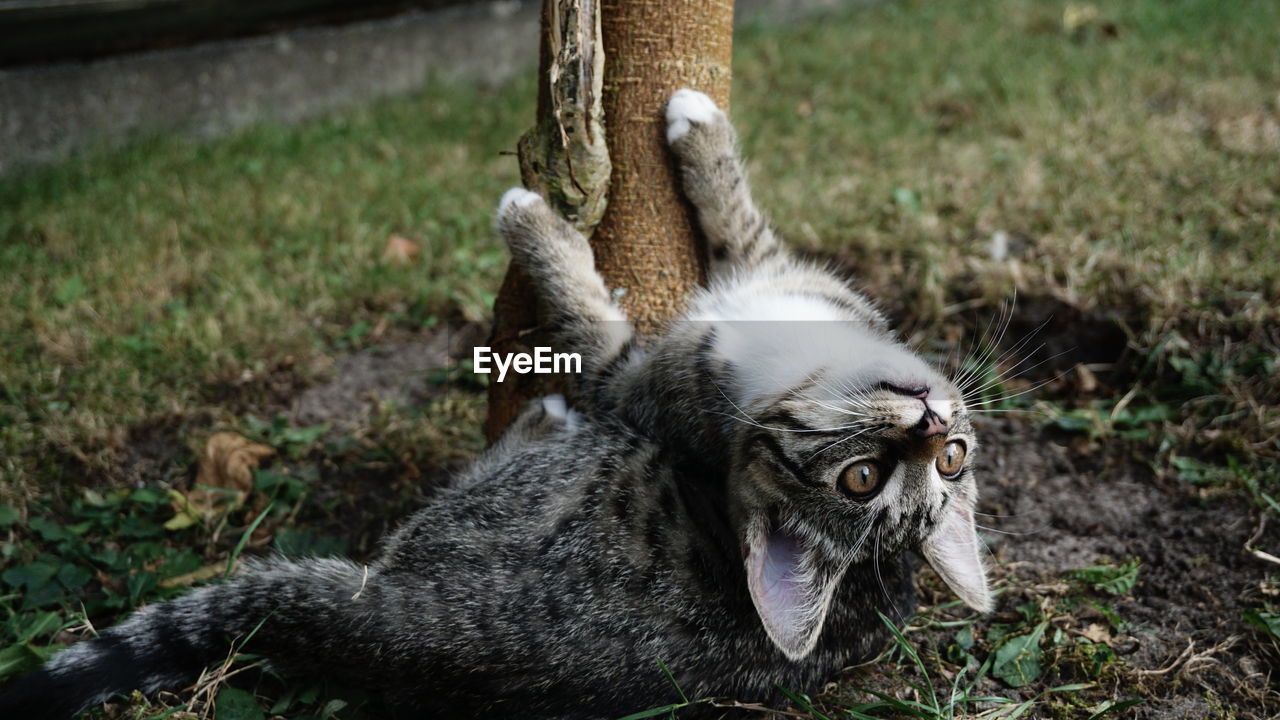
842, 411
857, 396
844, 394
968, 367
968, 390
845, 439
999, 368
879, 576
754, 423
1008, 532
973, 385
1003, 374
869, 523
985, 546
947, 361
1033, 388
747, 419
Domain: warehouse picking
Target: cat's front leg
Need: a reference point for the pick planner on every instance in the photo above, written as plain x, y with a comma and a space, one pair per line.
715, 182
561, 265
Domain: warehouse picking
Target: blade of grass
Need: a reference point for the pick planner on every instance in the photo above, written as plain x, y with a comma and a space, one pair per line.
906, 647
672, 679
1112, 706
654, 712
244, 539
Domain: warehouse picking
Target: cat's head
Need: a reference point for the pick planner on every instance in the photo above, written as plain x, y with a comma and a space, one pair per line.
850, 446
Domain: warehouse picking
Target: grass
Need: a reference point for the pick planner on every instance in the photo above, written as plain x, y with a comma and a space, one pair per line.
146, 280
1117, 168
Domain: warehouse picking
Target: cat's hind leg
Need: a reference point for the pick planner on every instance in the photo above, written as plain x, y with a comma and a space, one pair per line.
715, 181
540, 419
560, 263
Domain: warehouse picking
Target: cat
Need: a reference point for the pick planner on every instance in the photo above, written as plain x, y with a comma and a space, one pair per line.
736, 497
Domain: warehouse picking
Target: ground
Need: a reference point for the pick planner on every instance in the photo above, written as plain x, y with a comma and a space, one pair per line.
1110, 169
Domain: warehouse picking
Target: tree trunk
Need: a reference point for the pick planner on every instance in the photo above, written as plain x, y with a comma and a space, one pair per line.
645, 244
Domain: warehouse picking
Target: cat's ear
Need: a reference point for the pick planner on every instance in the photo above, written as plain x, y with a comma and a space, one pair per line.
791, 587
953, 551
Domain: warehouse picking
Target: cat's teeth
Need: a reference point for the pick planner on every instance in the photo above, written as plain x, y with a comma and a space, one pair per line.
685, 109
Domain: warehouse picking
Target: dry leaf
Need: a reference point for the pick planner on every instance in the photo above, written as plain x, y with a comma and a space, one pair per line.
229, 460
1097, 634
400, 250
224, 480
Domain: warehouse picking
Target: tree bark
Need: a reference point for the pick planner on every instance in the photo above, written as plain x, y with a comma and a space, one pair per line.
646, 246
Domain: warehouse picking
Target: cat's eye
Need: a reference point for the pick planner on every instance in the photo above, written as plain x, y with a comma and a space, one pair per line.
951, 460
861, 480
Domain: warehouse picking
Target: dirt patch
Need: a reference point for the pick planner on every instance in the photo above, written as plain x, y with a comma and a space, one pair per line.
259, 393
1081, 506
156, 450
397, 373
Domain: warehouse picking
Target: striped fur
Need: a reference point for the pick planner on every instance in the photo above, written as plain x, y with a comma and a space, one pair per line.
687, 509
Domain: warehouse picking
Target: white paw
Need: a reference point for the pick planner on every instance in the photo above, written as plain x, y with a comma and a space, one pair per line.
555, 407
516, 197
687, 108
558, 409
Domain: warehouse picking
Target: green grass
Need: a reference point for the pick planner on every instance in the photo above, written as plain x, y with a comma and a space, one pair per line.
141, 281
159, 291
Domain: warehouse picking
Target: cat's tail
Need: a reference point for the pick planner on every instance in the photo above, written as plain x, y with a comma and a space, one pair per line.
281, 609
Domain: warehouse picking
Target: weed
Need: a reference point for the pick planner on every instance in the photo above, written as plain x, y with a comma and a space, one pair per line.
1016, 662
1109, 579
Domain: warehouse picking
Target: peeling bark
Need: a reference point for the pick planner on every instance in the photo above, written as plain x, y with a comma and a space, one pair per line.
625, 58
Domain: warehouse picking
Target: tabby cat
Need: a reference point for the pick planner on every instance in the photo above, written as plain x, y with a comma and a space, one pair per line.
737, 498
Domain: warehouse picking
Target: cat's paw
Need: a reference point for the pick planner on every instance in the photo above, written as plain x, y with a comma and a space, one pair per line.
557, 410
538, 236
515, 199
687, 108
555, 407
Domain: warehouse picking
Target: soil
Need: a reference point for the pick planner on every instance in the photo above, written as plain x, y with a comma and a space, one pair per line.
395, 372
362, 380
1075, 504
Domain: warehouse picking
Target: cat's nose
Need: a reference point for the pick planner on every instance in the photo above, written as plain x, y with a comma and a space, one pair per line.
930, 425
